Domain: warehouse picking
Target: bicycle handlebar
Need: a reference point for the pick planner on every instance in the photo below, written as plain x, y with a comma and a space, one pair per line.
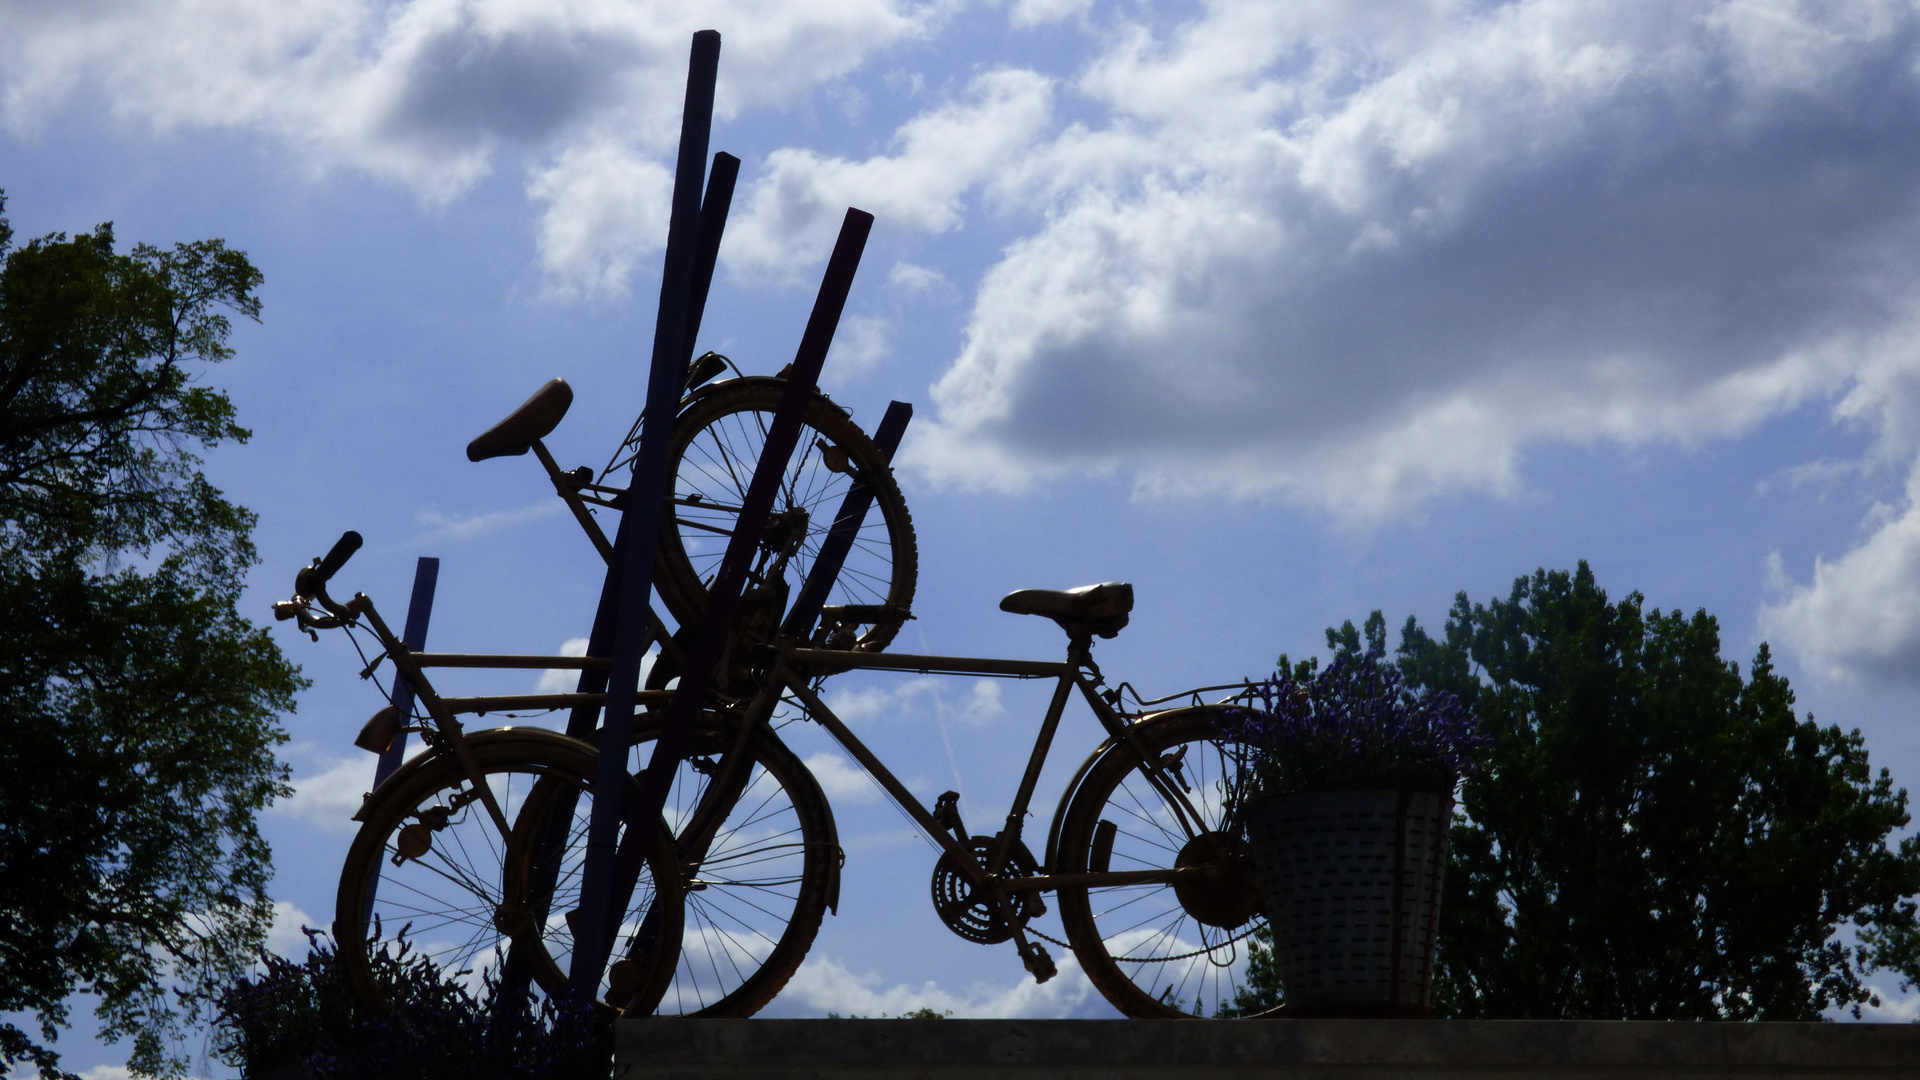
312, 581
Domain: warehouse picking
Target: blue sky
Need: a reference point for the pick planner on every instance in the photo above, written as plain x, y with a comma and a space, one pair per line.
1281, 312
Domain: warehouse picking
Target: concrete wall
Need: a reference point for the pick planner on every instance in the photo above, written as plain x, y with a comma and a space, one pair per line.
1268, 1050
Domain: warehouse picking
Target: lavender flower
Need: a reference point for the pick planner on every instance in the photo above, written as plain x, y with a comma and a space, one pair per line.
1355, 724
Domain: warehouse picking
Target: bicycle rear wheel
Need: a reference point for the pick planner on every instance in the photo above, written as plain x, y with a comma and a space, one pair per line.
437, 868
1161, 950
716, 445
754, 896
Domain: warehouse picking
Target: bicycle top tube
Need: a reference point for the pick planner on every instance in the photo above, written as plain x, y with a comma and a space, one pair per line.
849, 659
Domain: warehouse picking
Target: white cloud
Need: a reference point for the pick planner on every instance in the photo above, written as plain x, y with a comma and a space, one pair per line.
1037, 12
1360, 258
841, 779
927, 695
441, 527
1860, 614
795, 208
824, 985
285, 936
566, 680
329, 798
606, 205
913, 278
426, 92
858, 347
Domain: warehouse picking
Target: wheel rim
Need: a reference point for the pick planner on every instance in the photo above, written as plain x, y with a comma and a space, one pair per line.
1160, 953
713, 466
749, 894
752, 896
445, 899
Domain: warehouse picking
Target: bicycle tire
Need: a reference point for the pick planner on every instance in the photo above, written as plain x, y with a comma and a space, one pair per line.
1157, 951
716, 444
755, 902
448, 899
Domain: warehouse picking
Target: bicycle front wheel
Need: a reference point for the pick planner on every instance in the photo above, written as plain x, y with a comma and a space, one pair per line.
755, 890
716, 446
431, 870
1165, 950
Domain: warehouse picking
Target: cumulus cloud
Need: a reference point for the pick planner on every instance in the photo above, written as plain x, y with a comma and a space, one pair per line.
567, 680
794, 209
858, 347
330, 797
1860, 613
842, 780
606, 205
428, 91
1359, 259
823, 985
287, 936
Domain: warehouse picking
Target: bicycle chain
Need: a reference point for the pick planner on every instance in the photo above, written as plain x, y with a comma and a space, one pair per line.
1044, 936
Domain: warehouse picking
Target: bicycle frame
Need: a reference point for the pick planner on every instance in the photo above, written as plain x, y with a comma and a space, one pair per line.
1076, 672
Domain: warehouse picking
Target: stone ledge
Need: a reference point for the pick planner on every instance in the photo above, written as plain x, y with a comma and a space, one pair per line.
657, 1049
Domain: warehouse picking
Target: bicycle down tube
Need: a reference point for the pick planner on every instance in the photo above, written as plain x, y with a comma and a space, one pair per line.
1069, 675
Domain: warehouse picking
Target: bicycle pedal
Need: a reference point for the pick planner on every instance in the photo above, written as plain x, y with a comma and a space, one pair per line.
1039, 964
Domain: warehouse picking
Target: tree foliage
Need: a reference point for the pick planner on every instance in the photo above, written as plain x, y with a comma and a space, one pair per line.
139, 707
1651, 836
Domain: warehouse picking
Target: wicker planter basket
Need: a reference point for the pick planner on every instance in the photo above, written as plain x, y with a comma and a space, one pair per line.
1352, 882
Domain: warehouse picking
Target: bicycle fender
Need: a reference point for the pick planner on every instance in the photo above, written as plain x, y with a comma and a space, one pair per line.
1047, 866
1099, 753
728, 385
837, 854
433, 759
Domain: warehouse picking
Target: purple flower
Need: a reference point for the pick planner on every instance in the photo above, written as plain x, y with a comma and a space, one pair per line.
1355, 724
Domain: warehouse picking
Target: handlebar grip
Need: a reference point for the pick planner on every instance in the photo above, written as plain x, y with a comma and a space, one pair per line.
343, 550
312, 581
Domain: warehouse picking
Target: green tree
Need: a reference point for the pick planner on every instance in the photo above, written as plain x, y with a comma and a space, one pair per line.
138, 707
1652, 836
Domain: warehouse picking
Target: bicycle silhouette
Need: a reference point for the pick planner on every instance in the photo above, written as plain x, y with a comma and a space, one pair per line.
480, 839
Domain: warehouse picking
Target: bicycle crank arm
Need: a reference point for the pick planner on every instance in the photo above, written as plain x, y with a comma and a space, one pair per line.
1050, 882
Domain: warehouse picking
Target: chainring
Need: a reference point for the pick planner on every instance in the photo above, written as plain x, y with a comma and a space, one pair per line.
971, 913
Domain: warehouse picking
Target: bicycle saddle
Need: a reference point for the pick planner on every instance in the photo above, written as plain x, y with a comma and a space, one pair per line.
1090, 609
532, 421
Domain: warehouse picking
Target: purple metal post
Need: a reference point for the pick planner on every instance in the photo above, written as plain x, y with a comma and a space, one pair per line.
640, 519
585, 718
426, 576
723, 595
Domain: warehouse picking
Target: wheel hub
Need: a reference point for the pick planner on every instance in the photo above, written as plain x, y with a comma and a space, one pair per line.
1228, 894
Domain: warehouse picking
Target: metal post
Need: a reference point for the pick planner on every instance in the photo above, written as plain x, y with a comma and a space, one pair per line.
581, 723
640, 519
846, 526
723, 595
426, 576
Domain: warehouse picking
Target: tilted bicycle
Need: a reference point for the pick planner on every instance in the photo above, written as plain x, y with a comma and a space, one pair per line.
434, 853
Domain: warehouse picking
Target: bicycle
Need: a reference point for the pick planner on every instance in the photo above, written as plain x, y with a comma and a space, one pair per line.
437, 834
719, 431
438, 837
754, 835
1152, 872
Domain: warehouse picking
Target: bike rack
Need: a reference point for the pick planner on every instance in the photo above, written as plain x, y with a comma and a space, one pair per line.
621, 630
